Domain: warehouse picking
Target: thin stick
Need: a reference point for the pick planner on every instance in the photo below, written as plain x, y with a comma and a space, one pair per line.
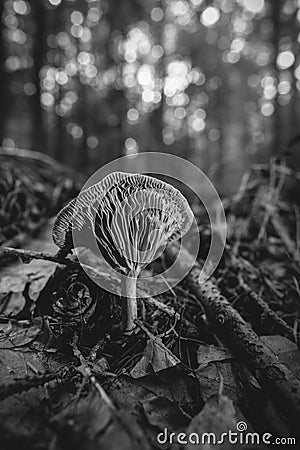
27, 255
85, 370
269, 311
36, 381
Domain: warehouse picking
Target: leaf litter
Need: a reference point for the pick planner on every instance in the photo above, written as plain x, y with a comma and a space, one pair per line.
173, 374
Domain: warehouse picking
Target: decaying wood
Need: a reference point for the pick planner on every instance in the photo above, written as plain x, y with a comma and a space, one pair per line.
279, 382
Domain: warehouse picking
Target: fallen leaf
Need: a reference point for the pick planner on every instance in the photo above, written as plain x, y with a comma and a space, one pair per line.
216, 374
90, 414
287, 352
156, 357
209, 353
21, 333
20, 283
173, 383
96, 426
162, 412
5, 327
217, 416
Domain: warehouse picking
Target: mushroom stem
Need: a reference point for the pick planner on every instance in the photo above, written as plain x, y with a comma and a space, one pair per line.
130, 305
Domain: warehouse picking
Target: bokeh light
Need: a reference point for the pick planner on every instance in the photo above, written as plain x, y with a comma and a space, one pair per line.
267, 109
54, 2
254, 6
285, 59
92, 142
179, 73
132, 115
210, 16
157, 14
131, 146
21, 7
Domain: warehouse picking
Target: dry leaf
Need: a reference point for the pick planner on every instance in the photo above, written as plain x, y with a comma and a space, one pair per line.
21, 282
162, 412
287, 352
216, 374
217, 416
156, 357
96, 426
21, 333
209, 353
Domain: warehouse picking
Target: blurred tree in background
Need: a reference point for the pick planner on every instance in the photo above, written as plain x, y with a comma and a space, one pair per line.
215, 81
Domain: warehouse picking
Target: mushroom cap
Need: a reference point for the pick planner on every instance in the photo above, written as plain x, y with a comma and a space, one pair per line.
131, 216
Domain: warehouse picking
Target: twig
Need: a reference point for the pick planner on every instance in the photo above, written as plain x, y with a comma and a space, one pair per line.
35, 381
282, 232
27, 255
85, 370
273, 194
268, 311
278, 168
159, 342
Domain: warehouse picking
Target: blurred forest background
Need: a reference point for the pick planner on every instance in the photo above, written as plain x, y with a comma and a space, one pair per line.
214, 81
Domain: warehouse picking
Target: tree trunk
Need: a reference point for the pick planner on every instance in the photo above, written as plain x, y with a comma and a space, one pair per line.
277, 139
3, 79
39, 57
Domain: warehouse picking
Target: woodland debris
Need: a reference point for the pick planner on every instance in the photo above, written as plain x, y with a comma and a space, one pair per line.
28, 255
32, 189
281, 384
281, 323
217, 417
156, 356
36, 381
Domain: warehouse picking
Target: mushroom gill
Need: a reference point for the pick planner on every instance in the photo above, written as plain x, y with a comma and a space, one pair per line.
132, 217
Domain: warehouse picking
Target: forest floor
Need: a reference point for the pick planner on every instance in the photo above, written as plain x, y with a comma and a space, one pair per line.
202, 358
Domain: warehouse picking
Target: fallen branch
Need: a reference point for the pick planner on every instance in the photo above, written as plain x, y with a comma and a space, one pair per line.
279, 382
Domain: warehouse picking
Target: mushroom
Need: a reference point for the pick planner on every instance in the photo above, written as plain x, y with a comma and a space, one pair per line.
132, 217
